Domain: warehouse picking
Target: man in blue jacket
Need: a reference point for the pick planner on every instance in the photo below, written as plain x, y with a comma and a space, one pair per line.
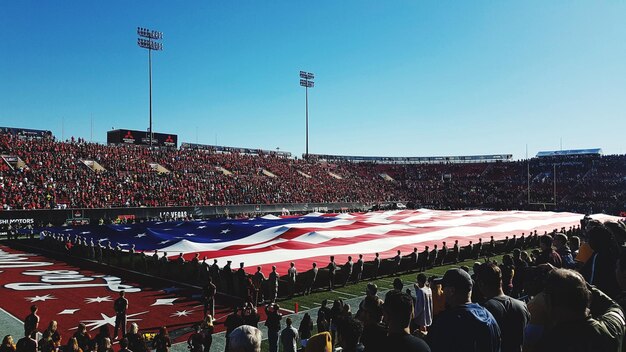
463, 326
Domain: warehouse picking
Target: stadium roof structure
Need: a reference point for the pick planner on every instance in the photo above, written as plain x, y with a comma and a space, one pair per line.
224, 149
570, 152
416, 159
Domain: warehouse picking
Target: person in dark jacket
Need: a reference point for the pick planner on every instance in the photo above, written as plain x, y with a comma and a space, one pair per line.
82, 337
305, 329
162, 341
599, 270
136, 342
31, 322
231, 323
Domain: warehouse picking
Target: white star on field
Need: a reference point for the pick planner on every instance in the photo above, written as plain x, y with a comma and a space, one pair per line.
98, 299
201, 227
225, 231
164, 302
40, 298
141, 235
258, 225
164, 242
69, 311
190, 234
182, 313
103, 239
95, 324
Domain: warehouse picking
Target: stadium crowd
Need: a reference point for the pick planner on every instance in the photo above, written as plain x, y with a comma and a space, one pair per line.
55, 174
559, 291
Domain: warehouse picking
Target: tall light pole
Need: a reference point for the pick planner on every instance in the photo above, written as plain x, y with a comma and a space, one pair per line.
151, 44
306, 81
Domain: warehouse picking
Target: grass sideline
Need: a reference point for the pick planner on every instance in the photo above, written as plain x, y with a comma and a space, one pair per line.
313, 301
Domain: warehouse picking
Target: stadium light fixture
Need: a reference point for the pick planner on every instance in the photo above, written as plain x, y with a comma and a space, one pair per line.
148, 40
306, 81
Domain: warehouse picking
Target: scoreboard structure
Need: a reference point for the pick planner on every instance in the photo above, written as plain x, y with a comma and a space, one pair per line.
134, 137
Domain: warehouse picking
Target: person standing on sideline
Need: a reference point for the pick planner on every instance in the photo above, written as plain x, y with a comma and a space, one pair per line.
358, 269
208, 297
332, 268
258, 280
292, 272
347, 269
31, 322
273, 284
397, 263
120, 306
377, 262
311, 276
289, 337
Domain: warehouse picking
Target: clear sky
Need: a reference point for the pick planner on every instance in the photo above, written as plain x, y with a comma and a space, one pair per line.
393, 78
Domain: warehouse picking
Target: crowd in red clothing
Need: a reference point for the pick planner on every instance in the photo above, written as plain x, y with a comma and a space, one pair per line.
54, 175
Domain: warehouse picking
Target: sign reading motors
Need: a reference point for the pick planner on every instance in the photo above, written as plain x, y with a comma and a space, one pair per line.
142, 138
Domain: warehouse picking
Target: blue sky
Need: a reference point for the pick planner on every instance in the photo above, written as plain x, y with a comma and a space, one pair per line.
393, 78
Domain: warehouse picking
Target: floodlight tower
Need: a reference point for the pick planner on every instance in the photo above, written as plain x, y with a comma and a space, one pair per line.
306, 81
151, 44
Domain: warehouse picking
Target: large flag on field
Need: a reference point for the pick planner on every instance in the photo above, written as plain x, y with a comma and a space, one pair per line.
272, 240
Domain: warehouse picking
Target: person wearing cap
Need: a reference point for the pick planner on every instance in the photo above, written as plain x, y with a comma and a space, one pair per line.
463, 326
370, 294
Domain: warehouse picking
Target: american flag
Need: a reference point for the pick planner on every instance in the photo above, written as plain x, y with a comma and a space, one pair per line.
273, 240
